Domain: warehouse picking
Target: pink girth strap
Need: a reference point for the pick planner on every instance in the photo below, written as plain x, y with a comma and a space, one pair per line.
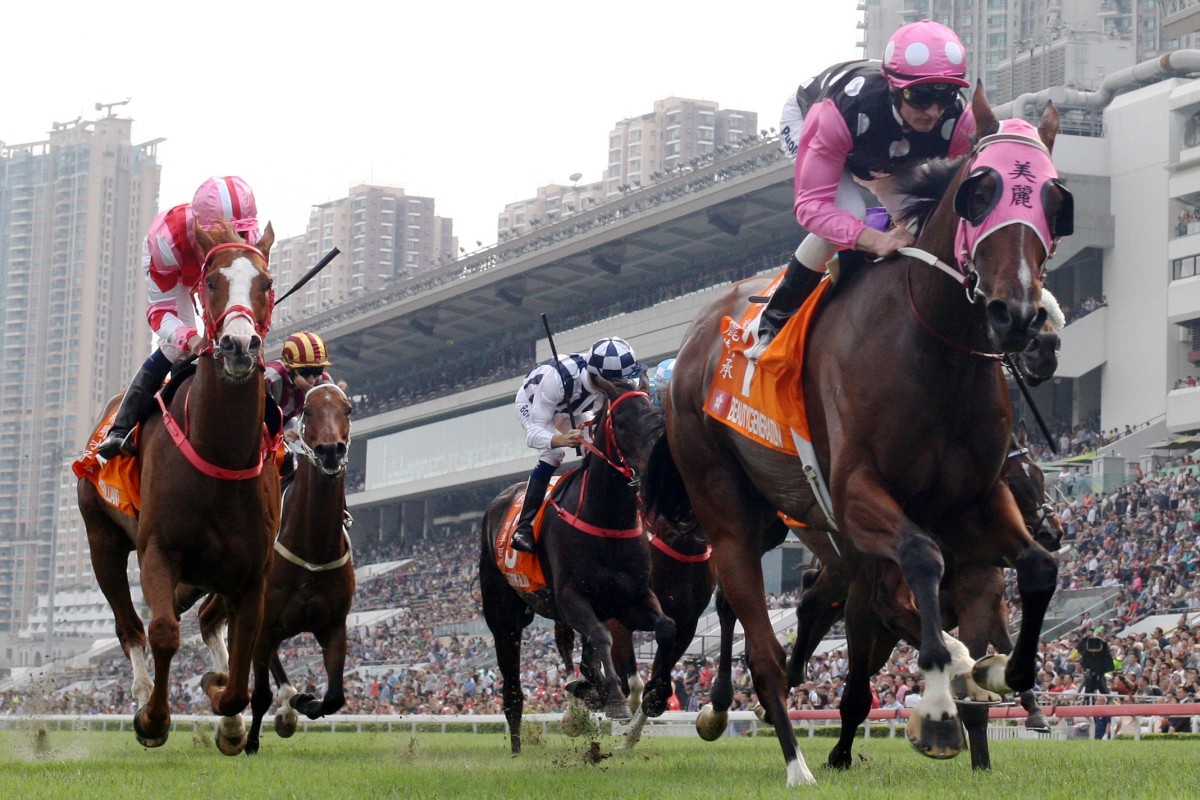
657, 542
211, 470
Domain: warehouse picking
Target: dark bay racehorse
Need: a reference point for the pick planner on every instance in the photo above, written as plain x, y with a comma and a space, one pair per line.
210, 497
311, 583
910, 421
595, 559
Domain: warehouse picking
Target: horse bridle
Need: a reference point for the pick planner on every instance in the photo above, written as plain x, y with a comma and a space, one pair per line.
1046, 509
618, 462
302, 447
964, 271
200, 289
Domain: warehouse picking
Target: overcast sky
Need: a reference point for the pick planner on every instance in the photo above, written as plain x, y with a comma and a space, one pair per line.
474, 104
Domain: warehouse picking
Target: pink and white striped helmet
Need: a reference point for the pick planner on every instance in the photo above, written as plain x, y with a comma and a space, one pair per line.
925, 52
227, 198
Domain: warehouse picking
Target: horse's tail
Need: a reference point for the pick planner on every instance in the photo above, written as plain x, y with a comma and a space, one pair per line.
663, 492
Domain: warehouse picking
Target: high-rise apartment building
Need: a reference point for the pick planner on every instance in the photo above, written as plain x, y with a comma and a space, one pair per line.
73, 211
677, 132
553, 202
1017, 46
384, 235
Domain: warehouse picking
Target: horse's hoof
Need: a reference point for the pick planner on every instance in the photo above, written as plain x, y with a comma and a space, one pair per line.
211, 682
285, 725
1037, 722
969, 693
710, 725
231, 746
232, 742
145, 737
617, 710
940, 738
252, 746
839, 760
988, 674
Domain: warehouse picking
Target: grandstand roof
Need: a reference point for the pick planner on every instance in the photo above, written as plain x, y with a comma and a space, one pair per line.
650, 239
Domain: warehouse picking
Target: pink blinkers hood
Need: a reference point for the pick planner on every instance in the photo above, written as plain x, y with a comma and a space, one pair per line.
1022, 166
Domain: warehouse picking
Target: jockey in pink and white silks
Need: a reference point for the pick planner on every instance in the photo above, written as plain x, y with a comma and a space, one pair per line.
856, 124
173, 262
554, 400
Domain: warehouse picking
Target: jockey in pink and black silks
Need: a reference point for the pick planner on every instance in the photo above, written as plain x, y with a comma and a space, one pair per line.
172, 262
856, 124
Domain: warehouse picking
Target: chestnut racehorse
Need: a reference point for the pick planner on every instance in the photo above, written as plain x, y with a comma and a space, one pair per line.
910, 422
209, 494
311, 583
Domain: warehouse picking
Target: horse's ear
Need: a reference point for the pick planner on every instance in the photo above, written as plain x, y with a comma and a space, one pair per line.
606, 388
985, 120
1022, 435
203, 237
266, 240
1048, 127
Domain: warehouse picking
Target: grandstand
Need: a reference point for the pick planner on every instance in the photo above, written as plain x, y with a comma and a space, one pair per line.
433, 364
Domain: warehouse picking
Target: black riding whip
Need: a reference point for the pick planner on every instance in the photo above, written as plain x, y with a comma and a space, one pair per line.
308, 276
1037, 415
554, 352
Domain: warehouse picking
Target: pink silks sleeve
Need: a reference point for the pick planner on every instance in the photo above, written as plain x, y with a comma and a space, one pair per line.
824, 144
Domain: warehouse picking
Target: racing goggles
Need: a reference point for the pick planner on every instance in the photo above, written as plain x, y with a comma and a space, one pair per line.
927, 95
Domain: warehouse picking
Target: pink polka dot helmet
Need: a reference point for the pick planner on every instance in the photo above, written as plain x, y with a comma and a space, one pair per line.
925, 52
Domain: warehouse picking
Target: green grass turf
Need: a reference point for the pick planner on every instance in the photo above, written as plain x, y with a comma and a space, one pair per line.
85, 765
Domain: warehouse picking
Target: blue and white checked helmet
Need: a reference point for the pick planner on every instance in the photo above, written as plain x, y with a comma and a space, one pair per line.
613, 359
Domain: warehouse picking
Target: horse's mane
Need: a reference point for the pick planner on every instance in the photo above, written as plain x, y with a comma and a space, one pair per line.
923, 187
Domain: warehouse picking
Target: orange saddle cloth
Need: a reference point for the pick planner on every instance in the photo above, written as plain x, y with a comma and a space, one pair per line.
118, 480
764, 401
523, 571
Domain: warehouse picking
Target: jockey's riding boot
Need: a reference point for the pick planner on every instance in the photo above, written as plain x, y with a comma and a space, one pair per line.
535, 492
797, 284
135, 407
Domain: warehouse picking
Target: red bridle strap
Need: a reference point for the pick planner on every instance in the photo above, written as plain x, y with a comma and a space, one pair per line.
619, 464
698, 558
209, 469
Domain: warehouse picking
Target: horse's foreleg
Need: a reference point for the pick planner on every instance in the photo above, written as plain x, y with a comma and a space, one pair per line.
230, 695
333, 653
1037, 577
213, 630
622, 656
260, 701
878, 526
714, 717
978, 599
286, 719
649, 616
597, 664
152, 722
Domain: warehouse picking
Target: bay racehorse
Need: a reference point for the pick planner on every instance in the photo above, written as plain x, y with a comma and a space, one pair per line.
595, 559
909, 417
209, 496
311, 583
972, 597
